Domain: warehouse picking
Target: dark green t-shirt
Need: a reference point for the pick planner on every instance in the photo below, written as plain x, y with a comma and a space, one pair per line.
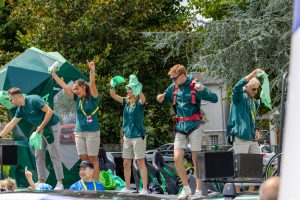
82, 121
32, 111
133, 117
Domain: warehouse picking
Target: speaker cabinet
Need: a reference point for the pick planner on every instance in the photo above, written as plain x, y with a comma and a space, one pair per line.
248, 165
214, 165
8, 154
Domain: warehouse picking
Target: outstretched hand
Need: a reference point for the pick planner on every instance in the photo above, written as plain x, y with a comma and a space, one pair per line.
91, 65
160, 97
28, 174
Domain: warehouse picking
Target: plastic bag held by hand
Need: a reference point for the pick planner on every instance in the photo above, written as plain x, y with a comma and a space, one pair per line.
56, 64
116, 81
265, 90
35, 140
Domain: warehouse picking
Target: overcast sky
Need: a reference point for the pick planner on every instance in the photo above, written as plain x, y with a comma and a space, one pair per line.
184, 2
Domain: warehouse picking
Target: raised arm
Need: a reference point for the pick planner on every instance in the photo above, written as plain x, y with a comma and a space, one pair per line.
94, 91
253, 74
62, 84
142, 98
115, 96
28, 176
237, 90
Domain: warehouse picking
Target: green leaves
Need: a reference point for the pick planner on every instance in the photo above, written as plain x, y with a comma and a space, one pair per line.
111, 33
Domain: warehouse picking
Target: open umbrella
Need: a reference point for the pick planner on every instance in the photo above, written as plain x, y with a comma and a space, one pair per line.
30, 72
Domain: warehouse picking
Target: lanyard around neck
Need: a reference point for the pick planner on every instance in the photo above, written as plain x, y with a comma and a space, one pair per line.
253, 109
84, 186
82, 110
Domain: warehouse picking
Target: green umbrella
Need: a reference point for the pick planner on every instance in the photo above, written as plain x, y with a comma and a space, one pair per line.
30, 72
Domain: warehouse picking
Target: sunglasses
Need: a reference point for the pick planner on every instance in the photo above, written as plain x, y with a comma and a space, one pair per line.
175, 78
14, 96
254, 89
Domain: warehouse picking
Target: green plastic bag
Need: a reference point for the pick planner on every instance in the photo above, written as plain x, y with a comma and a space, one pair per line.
106, 178
119, 182
134, 84
265, 90
116, 81
35, 140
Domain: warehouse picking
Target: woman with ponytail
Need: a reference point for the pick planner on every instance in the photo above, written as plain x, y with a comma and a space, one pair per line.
87, 129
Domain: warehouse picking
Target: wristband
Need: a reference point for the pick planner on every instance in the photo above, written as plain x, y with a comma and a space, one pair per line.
92, 72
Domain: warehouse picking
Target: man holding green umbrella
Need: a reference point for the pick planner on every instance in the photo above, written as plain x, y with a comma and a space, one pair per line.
36, 111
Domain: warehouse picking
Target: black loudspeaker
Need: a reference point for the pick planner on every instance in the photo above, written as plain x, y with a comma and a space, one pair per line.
214, 165
248, 165
8, 154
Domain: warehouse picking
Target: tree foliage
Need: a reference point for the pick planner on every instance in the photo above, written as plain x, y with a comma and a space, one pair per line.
216, 9
248, 35
258, 36
8, 28
111, 33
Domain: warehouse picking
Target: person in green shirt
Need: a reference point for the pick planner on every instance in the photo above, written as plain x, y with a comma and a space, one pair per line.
134, 140
87, 129
36, 111
241, 127
186, 95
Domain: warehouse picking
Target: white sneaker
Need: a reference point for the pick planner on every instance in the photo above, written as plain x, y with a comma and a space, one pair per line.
59, 186
143, 192
198, 194
185, 192
125, 190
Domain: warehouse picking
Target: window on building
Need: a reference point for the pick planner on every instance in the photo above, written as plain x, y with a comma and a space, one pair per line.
214, 140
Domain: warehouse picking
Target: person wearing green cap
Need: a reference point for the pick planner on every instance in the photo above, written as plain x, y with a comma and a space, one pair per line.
241, 127
36, 111
134, 140
186, 95
87, 129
